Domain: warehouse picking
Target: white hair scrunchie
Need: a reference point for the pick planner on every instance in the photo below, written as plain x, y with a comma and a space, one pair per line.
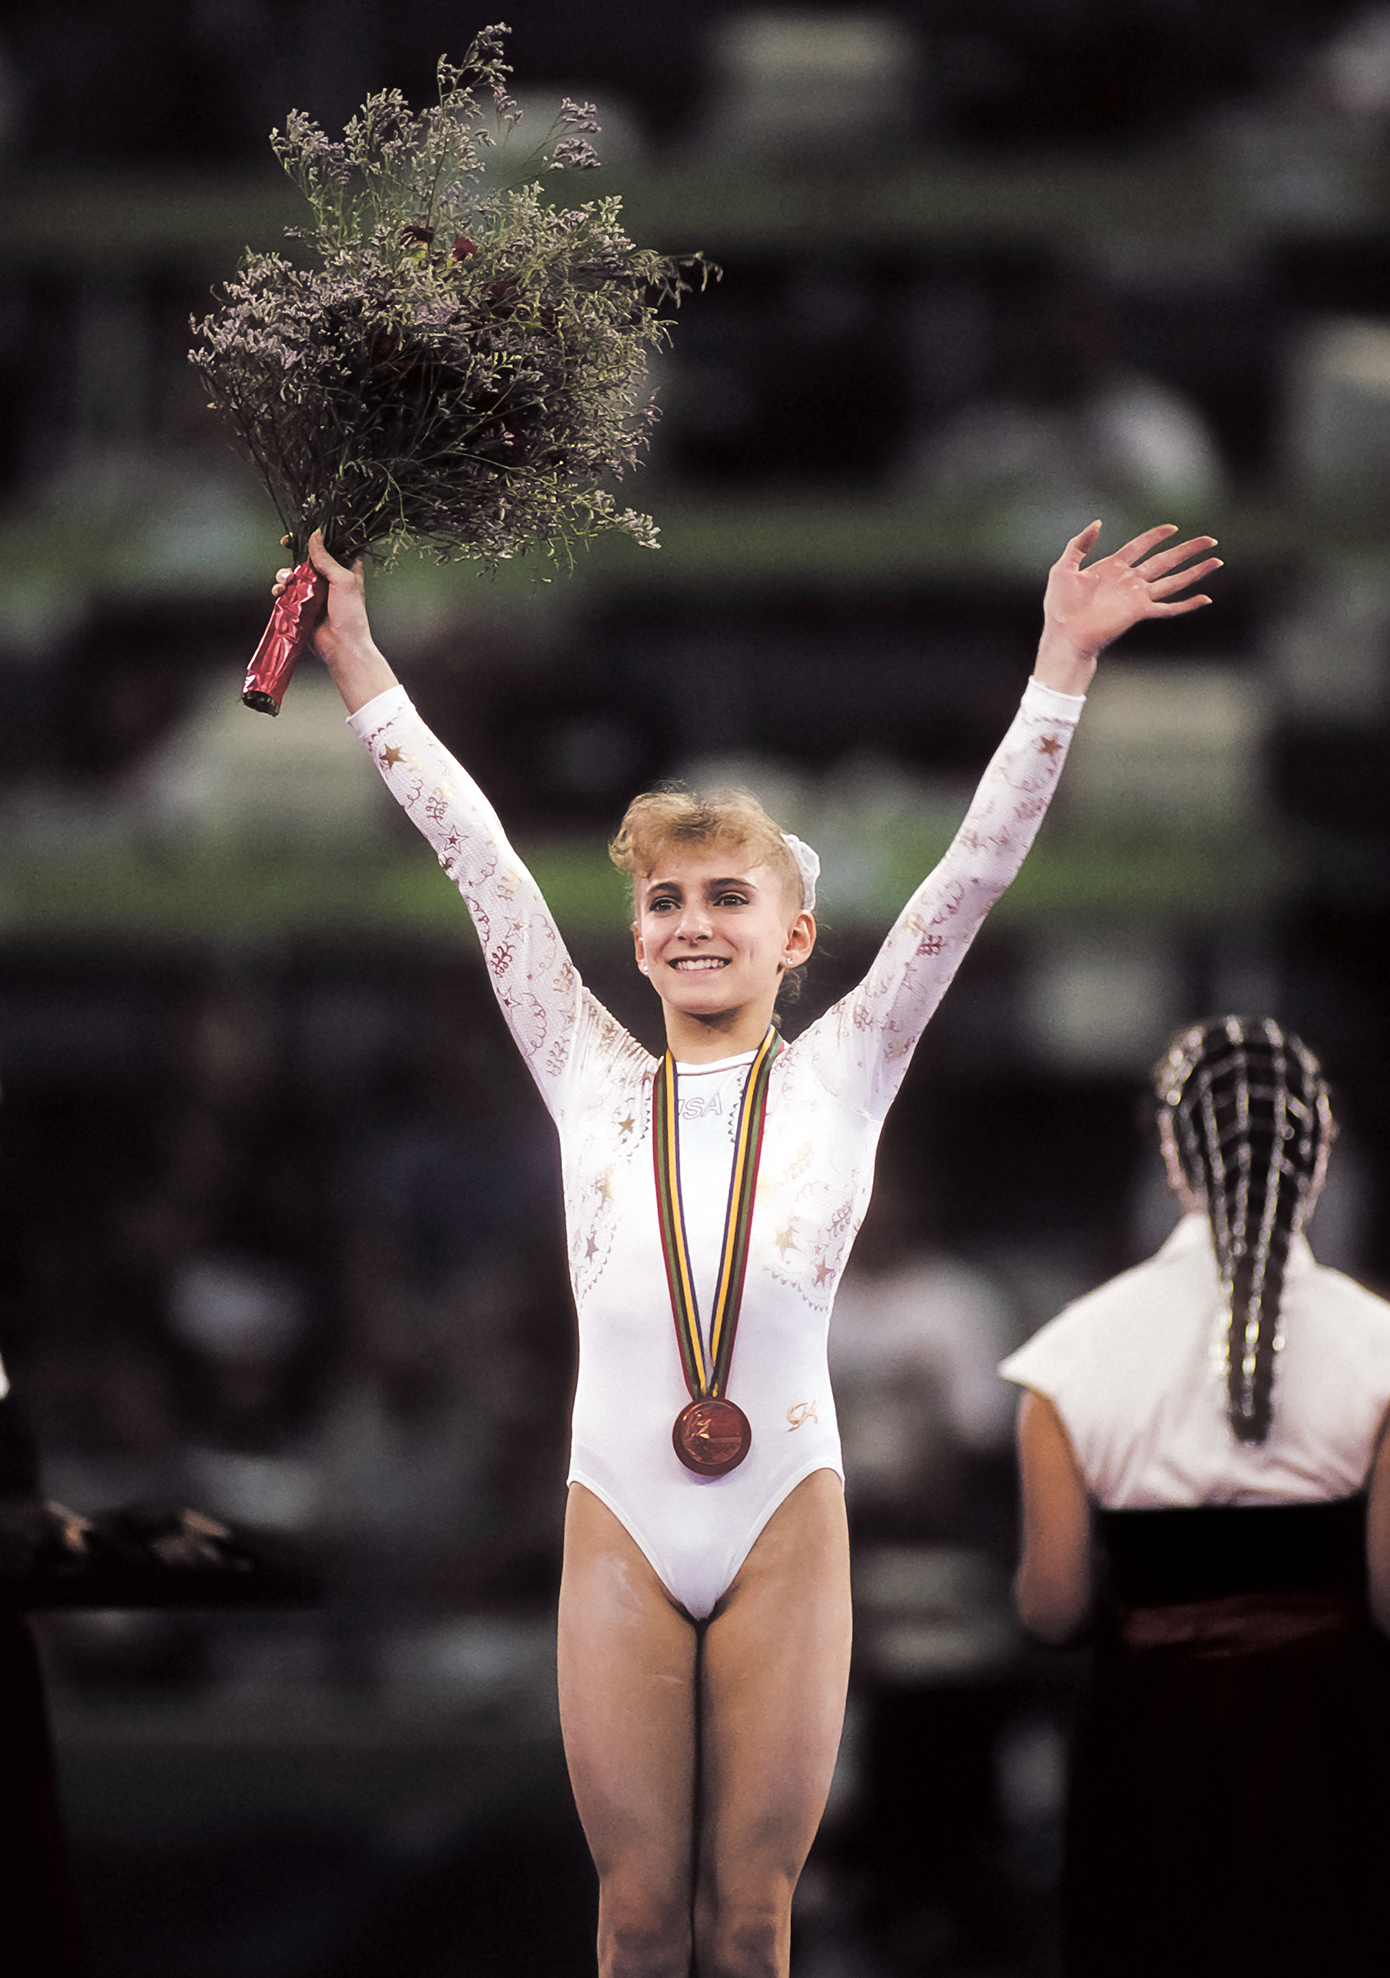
807, 864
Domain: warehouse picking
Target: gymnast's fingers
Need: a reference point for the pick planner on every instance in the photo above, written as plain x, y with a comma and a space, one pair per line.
1138, 547
1162, 587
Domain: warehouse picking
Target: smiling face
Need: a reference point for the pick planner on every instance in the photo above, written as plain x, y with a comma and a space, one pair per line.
715, 932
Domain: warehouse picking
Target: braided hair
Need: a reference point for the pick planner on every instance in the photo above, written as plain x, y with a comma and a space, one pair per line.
1251, 1122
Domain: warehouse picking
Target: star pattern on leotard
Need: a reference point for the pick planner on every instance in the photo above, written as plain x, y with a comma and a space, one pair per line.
1049, 744
785, 1241
599, 1201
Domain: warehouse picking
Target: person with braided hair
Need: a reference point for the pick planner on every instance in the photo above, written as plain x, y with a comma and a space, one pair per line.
1206, 1497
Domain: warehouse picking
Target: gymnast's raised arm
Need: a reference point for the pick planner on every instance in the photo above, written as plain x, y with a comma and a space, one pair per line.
550, 1014
1085, 608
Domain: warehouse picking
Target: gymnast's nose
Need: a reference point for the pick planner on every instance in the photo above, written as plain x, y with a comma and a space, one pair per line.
694, 923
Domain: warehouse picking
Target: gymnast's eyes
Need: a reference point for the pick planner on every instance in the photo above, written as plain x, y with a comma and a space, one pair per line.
726, 896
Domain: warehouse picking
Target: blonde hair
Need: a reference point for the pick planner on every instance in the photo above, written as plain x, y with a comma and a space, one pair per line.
675, 817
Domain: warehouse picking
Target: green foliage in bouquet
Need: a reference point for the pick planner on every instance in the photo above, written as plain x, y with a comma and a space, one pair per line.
461, 368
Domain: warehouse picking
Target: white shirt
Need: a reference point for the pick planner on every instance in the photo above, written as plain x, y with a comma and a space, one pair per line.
1136, 1370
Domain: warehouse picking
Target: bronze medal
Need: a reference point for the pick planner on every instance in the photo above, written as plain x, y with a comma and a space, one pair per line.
711, 1436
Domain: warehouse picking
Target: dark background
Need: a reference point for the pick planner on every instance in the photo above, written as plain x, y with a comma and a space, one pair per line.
280, 1213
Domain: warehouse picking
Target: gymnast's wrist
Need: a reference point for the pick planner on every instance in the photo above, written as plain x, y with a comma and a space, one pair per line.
1065, 667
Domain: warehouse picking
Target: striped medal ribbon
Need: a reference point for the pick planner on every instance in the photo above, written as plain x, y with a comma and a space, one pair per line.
711, 1433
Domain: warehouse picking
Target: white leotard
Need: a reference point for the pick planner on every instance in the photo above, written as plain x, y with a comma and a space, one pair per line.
829, 1092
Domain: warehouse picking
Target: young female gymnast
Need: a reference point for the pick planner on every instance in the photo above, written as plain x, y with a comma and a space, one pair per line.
1206, 1483
704, 1625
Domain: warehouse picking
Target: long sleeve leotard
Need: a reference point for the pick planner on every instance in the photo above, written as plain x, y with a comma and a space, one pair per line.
829, 1093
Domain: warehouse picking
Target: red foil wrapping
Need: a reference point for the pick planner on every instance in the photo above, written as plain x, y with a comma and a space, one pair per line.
298, 611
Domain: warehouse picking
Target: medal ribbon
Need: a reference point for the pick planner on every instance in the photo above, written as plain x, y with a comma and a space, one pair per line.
706, 1375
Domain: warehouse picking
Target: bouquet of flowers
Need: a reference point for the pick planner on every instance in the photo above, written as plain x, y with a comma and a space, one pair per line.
458, 369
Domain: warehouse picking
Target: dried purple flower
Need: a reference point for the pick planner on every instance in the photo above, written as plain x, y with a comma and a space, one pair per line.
572, 154
471, 403
579, 116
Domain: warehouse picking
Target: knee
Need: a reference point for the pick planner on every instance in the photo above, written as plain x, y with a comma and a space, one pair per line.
746, 1942
642, 1940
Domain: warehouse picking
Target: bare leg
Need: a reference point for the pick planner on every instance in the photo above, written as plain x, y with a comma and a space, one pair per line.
775, 1667
627, 1666
771, 1667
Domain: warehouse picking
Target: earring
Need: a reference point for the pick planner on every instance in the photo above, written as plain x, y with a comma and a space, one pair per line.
643, 966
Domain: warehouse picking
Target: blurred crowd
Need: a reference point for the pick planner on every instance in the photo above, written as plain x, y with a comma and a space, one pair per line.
303, 1272
1107, 362
160, 81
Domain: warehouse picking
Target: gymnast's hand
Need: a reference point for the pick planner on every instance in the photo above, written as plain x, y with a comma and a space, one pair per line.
343, 639
1085, 608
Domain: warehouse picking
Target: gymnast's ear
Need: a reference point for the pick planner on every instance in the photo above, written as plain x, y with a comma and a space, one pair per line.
801, 939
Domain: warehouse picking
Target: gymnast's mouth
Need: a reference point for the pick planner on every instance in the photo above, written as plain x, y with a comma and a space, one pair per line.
691, 964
